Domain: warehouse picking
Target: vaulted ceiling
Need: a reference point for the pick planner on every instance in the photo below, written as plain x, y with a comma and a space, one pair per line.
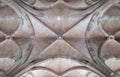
59, 38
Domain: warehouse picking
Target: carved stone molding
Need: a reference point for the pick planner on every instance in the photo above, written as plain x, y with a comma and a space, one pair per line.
59, 38
104, 41
59, 67
15, 37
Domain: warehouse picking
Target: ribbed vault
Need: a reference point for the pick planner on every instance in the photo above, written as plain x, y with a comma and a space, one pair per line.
59, 38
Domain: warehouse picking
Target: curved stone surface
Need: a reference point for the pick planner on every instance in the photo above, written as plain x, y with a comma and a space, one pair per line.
47, 38
62, 68
40, 4
13, 36
104, 35
60, 15
114, 64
